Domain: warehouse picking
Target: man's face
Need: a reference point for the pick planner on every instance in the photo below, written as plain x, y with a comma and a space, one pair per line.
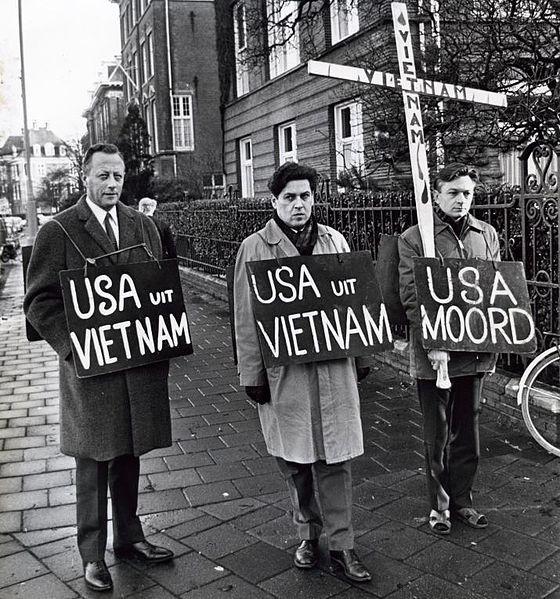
104, 179
455, 197
294, 203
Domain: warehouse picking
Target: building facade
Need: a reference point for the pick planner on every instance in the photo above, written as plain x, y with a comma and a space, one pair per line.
48, 153
170, 63
106, 111
275, 111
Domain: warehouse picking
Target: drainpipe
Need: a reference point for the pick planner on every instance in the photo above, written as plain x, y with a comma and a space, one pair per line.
170, 83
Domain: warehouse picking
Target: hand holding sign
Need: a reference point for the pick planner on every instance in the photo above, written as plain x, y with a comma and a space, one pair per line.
439, 360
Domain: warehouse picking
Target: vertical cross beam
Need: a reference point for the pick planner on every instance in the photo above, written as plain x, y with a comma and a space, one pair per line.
415, 130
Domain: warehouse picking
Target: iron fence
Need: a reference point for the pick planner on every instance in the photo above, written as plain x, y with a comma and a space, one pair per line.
526, 218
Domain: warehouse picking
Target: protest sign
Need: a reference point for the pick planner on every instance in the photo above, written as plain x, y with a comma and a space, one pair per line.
123, 316
314, 308
474, 306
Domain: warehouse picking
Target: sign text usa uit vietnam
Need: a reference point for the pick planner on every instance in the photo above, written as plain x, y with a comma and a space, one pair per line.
124, 316
313, 308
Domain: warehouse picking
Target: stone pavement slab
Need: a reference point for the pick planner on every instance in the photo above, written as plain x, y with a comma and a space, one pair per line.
216, 498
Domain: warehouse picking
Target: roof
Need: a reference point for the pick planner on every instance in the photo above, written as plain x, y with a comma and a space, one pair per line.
39, 136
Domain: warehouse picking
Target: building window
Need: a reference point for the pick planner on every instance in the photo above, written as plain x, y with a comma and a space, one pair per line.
283, 38
36, 149
62, 150
240, 33
349, 136
246, 165
344, 19
183, 137
150, 43
287, 143
145, 61
148, 119
136, 70
154, 127
41, 169
49, 149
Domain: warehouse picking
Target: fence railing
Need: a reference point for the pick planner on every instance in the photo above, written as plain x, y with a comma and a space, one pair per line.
526, 218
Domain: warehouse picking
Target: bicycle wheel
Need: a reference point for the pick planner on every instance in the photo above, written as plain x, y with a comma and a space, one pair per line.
539, 397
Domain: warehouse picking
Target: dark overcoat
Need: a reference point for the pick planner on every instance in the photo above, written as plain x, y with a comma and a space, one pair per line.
113, 414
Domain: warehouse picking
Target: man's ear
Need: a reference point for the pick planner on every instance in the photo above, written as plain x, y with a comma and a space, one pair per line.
435, 195
273, 202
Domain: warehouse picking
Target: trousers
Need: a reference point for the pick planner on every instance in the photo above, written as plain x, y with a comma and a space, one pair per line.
328, 507
93, 478
451, 439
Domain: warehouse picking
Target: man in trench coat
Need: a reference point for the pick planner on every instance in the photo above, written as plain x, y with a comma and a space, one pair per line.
106, 421
451, 441
309, 413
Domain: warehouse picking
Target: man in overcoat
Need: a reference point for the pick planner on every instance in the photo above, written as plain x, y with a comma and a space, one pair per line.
451, 440
106, 421
309, 413
148, 206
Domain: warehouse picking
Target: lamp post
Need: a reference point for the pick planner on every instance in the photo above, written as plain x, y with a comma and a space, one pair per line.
30, 205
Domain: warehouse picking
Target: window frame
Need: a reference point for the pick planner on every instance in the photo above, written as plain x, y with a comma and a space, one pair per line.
353, 22
283, 55
186, 119
283, 154
241, 70
247, 183
355, 139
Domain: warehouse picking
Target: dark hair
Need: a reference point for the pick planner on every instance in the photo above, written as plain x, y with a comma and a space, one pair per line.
104, 148
292, 171
453, 171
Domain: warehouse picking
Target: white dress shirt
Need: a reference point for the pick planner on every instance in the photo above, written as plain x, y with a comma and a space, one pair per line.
100, 214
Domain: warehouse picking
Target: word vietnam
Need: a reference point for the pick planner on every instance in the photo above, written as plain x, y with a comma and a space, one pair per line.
474, 305
125, 316
313, 308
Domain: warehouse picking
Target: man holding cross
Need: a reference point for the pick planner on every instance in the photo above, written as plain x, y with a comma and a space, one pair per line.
106, 421
451, 437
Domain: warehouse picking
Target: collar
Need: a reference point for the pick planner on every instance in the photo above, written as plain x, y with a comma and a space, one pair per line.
472, 223
100, 213
273, 234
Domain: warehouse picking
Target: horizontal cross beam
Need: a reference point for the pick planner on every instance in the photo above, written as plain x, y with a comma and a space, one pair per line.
413, 84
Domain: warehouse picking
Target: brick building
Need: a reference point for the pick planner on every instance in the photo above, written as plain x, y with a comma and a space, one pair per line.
106, 112
274, 111
169, 55
48, 153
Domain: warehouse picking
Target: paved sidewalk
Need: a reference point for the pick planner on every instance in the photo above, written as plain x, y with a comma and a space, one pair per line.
216, 498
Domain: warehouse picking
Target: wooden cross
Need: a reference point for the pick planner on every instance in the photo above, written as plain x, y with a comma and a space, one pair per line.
411, 87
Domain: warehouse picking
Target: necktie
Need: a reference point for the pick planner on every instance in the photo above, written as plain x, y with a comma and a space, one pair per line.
110, 232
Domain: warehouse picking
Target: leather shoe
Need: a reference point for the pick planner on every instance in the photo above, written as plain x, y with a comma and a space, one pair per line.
350, 564
97, 576
144, 552
307, 554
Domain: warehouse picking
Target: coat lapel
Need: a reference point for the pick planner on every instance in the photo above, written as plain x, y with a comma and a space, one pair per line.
127, 232
274, 236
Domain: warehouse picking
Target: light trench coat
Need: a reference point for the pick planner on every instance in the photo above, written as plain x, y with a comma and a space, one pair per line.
314, 412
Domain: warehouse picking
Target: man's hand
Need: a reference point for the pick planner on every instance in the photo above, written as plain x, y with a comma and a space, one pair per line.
259, 394
439, 359
437, 355
361, 373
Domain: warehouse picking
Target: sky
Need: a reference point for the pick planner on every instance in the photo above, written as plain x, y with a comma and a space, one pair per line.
66, 45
